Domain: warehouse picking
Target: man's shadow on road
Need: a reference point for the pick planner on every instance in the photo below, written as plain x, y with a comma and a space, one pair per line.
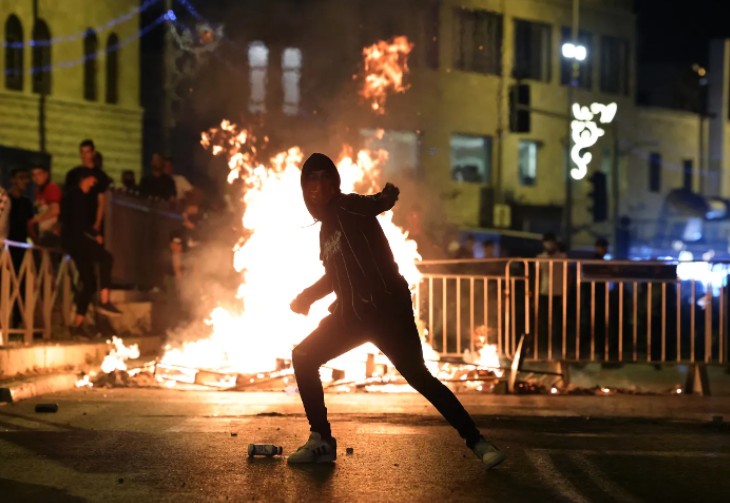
319, 473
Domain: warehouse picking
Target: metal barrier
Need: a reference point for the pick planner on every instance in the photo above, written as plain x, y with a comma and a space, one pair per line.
137, 233
35, 289
578, 311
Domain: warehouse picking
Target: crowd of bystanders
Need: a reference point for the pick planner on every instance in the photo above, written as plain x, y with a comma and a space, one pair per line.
71, 218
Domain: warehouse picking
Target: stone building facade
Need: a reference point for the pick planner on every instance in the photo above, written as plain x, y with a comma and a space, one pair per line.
71, 71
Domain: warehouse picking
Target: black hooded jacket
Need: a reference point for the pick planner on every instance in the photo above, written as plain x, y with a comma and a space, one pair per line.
357, 258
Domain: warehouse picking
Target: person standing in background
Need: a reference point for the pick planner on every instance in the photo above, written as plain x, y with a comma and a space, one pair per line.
47, 207
97, 197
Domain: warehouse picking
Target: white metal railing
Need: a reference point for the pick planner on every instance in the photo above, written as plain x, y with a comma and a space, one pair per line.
577, 310
35, 290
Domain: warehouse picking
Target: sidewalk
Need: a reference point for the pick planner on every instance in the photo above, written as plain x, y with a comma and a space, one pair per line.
29, 371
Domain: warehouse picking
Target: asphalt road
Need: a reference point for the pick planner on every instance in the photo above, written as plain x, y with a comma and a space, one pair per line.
168, 445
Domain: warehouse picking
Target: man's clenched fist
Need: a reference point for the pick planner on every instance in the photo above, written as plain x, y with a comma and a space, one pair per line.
391, 192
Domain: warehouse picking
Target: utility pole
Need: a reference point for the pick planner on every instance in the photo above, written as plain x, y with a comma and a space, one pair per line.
615, 186
573, 81
168, 83
42, 90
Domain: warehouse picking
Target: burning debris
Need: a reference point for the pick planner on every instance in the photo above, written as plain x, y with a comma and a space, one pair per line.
385, 65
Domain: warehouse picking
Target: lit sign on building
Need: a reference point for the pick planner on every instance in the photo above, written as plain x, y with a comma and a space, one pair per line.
585, 133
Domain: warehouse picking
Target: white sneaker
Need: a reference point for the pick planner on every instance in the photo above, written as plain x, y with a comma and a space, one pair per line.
488, 453
315, 450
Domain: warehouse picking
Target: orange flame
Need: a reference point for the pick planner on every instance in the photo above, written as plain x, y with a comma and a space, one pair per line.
279, 257
386, 63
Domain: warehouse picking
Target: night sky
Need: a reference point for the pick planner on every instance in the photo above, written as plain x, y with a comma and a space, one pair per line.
680, 30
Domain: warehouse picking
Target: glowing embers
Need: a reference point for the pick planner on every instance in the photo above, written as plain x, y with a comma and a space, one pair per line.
385, 65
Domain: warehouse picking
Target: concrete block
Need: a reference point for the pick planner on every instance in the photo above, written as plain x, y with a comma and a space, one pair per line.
40, 385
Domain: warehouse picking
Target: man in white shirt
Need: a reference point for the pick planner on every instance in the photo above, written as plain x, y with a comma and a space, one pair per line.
182, 185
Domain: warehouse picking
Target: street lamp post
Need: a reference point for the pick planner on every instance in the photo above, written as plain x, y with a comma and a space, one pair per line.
574, 52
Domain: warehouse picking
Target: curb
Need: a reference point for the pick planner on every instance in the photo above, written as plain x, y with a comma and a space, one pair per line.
41, 385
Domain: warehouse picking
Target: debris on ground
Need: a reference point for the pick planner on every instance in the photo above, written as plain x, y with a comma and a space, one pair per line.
46, 407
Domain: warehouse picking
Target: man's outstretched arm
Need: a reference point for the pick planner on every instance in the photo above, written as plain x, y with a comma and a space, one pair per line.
374, 204
321, 288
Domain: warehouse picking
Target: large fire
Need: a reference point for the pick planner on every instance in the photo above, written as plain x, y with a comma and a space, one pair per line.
280, 257
386, 63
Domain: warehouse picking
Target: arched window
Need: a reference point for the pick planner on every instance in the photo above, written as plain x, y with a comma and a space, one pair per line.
91, 46
13, 53
258, 63
112, 69
291, 66
41, 47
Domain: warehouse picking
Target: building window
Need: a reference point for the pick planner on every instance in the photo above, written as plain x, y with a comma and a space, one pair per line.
91, 47
478, 41
533, 51
41, 58
585, 75
291, 67
614, 65
13, 53
471, 158
258, 65
687, 174
655, 172
402, 148
112, 69
528, 151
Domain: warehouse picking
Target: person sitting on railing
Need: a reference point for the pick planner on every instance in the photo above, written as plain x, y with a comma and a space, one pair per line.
48, 207
83, 243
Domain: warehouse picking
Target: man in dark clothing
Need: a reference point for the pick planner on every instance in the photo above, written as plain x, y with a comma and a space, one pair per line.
83, 243
96, 196
373, 304
20, 225
158, 183
21, 209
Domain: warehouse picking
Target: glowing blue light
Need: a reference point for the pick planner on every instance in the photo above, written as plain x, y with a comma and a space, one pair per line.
170, 16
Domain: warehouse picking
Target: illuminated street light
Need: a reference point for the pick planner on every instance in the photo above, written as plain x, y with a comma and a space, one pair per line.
577, 52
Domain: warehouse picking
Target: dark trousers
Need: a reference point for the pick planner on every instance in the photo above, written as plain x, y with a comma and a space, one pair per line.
86, 254
395, 334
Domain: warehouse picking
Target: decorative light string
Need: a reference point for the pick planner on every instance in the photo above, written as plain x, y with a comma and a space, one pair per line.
167, 16
79, 35
192, 10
